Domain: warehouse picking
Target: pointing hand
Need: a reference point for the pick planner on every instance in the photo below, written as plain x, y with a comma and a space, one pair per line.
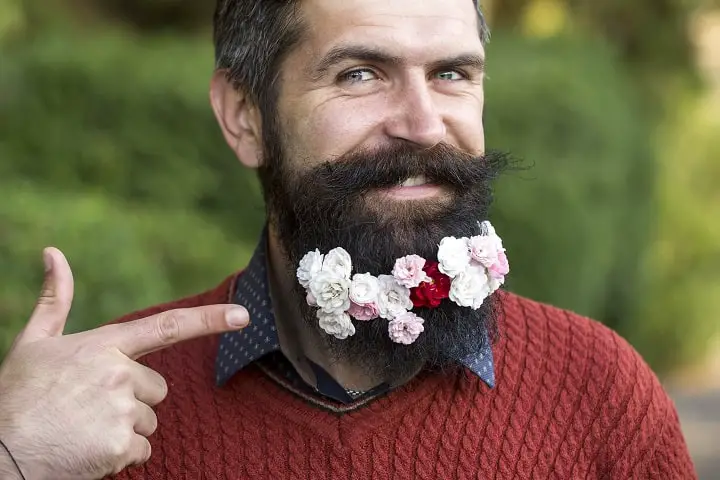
80, 406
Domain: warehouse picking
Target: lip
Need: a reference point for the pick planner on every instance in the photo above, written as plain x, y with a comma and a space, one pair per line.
417, 192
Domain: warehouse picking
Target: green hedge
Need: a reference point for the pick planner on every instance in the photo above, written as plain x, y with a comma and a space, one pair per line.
113, 134
123, 257
577, 222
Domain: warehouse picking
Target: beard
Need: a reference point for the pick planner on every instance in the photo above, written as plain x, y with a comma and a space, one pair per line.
339, 203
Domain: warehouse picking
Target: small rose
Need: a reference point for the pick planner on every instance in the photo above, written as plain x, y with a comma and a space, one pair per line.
339, 325
500, 267
470, 288
483, 249
408, 271
393, 299
369, 311
405, 328
364, 288
453, 256
331, 291
309, 266
432, 292
338, 260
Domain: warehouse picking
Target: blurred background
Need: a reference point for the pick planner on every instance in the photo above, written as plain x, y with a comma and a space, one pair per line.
109, 151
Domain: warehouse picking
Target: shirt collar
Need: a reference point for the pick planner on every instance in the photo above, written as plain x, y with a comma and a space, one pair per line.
239, 349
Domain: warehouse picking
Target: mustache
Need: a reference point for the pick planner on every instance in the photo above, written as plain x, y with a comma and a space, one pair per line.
442, 164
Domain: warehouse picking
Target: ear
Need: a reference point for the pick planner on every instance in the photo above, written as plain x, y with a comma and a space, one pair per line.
239, 119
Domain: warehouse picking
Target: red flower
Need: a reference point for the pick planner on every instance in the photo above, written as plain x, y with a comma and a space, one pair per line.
431, 294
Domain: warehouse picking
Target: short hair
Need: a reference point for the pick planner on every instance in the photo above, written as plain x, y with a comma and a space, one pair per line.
252, 38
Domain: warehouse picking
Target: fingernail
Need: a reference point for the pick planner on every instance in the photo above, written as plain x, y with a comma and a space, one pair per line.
237, 317
47, 260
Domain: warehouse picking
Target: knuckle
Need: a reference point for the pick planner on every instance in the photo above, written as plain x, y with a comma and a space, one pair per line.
168, 326
117, 377
125, 408
120, 445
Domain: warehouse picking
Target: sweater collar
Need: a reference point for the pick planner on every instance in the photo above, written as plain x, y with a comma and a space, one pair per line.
239, 349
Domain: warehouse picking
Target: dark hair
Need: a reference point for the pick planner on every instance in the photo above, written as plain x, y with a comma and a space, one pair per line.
252, 37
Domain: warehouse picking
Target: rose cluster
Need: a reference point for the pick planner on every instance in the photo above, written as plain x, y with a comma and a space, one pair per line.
467, 271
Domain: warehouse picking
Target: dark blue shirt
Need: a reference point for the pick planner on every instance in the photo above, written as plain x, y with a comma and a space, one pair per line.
239, 349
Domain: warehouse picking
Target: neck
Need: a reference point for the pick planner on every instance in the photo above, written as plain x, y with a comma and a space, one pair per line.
299, 342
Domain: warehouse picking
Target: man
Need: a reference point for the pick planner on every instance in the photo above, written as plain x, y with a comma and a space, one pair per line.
379, 343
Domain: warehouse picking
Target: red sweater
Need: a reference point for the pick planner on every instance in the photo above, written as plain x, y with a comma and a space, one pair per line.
572, 400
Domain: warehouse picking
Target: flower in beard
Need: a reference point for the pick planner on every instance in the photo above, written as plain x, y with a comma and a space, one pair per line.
364, 288
364, 291
432, 292
453, 256
330, 291
471, 287
408, 271
309, 266
338, 325
365, 312
484, 250
500, 267
338, 261
405, 328
393, 299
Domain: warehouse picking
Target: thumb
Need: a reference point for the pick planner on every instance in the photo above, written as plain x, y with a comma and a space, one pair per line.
53, 305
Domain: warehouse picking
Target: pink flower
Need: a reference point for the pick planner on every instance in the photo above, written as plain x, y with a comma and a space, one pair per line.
365, 312
408, 271
311, 299
484, 249
500, 268
405, 328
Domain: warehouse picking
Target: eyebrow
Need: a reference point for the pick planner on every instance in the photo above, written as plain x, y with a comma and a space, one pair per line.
373, 55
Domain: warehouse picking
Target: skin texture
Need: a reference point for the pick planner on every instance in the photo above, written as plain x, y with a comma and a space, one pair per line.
366, 74
80, 406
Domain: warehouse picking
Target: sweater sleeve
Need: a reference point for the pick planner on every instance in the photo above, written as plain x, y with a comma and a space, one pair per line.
671, 458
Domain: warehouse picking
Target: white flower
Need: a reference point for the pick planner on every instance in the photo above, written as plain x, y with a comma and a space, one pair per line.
470, 288
393, 299
453, 256
486, 226
331, 291
364, 288
338, 260
339, 325
309, 266
494, 283
484, 249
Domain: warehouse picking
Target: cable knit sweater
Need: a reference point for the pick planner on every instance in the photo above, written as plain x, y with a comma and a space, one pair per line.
572, 401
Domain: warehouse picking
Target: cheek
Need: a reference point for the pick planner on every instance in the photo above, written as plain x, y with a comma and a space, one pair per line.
340, 126
464, 120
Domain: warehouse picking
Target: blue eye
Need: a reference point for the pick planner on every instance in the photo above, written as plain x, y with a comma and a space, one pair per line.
358, 76
450, 75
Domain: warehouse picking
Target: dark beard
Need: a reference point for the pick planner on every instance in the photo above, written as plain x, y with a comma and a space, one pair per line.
328, 206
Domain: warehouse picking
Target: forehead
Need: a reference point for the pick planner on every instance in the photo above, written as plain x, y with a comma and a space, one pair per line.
411, 28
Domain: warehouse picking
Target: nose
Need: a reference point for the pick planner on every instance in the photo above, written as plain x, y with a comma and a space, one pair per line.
415, 117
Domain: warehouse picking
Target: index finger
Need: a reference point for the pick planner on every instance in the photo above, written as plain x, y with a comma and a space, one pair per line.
141, 337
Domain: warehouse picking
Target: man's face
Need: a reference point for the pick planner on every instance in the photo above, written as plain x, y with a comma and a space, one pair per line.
376, 145
370, 73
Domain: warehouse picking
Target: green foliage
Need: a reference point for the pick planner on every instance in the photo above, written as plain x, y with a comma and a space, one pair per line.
123, 118
576, 223
679, 316
123, 257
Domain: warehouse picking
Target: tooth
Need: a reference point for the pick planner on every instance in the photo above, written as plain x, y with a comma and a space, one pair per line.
415, 181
